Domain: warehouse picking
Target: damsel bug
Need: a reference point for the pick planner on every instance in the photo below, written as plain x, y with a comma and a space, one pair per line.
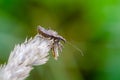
47, 33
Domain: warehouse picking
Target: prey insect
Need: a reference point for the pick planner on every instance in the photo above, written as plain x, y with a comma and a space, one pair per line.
50, 34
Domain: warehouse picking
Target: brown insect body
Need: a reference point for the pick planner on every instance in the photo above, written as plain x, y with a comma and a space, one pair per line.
52, 35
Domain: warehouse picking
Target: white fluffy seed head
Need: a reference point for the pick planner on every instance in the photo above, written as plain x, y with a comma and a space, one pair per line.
32, 52
24, 56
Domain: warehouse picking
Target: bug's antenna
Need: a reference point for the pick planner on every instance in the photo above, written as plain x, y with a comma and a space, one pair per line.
76, 48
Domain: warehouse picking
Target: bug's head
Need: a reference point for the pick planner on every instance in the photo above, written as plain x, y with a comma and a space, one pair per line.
59, 38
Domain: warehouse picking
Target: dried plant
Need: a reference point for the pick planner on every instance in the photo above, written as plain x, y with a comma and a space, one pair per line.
32, 52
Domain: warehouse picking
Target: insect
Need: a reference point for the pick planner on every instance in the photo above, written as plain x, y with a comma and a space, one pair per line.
48, 33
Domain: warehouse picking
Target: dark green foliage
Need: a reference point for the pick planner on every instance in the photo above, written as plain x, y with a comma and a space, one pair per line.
92, 25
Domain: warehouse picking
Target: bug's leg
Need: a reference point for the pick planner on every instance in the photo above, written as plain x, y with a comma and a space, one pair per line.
55, 51
60, 46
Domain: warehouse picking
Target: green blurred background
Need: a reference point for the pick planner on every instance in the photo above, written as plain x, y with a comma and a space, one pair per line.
91, 25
